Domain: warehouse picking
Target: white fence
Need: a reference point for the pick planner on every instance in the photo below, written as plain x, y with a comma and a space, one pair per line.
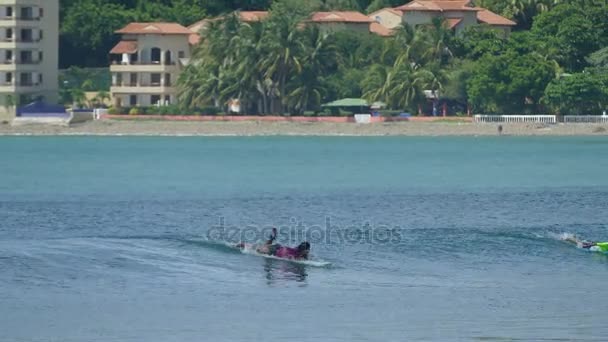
547, 119
363, 118
586, 118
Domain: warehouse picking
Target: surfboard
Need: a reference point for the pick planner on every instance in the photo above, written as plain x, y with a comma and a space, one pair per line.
250, 249
601, 247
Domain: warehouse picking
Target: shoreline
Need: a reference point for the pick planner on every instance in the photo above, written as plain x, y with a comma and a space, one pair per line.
109, 127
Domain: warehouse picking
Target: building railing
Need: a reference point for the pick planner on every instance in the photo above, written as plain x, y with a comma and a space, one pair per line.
142, 84
585, 118
14, 40
21, 62
20, 84
144, 63
547, 119
24, 18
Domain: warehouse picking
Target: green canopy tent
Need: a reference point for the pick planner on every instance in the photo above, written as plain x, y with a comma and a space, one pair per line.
355, 105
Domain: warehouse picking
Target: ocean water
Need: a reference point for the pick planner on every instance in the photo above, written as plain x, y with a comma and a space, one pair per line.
432, 239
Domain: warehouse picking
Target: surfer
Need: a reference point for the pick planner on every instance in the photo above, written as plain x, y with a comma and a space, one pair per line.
590, 245
270, 248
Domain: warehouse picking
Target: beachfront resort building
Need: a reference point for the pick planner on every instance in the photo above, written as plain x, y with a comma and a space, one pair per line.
147, 61
29, 53
459, 15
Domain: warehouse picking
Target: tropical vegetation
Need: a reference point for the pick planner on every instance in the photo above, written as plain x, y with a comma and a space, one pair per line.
556, 60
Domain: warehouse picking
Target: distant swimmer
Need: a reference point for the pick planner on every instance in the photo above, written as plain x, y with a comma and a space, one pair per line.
270, 248
590, 245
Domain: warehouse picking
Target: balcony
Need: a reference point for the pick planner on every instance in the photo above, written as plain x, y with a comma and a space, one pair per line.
144, 67
142, 88
12, 43
20, 18
19, 87
13, 65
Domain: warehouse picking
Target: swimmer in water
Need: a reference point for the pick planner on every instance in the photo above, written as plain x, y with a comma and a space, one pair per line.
580, 243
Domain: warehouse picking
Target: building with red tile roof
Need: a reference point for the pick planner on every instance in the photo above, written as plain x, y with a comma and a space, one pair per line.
154, 28
459, 15
147, 61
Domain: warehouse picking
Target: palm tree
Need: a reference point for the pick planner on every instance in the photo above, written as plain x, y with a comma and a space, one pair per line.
207, 79
320, 56
101, 97
377, 83
406, 85
437, 38
524, 10
78, 96
284, 55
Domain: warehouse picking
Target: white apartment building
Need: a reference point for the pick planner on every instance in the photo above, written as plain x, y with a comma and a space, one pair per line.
29, 53
146, 63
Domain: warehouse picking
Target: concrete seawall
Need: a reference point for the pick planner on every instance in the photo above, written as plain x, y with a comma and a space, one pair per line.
276, 118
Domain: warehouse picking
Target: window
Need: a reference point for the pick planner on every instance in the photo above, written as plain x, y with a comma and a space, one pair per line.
40, 56
155, 79
26, 57
27, 13
167, 99
9, 34
26, 79
181, 54
167, 80
155, 100
8, 78
9, 12
27, 35
40, 35
8, 56
133, 100
155, 55
133, 79
41, 12
39, 78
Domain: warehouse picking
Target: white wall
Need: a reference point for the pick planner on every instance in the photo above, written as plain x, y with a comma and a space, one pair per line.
387, 18
50, 47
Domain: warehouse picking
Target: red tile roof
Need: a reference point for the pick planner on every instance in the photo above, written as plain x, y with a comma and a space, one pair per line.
340, 17
437, 6
154, 28
245, 16
380, 30
194, 39
453, 22
125, 46
250, 16
488, 17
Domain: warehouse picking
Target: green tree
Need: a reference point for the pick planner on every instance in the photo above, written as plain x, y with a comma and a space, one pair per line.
310, 86
88, 31
568, 31
509, 83
580, 93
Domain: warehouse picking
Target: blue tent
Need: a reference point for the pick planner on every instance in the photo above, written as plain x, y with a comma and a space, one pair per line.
41, 109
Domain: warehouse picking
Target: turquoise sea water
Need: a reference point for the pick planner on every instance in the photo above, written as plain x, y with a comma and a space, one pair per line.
123, 239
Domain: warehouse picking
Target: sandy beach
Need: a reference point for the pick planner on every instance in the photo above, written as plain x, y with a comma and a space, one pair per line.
254, 128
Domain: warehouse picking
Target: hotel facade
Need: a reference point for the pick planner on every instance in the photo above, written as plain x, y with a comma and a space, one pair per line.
146, 63
29, 53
